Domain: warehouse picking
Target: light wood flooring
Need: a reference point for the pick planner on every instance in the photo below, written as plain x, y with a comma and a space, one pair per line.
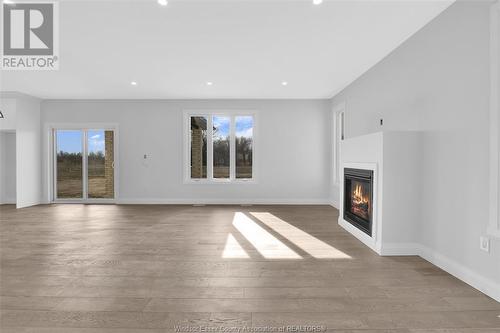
98, 268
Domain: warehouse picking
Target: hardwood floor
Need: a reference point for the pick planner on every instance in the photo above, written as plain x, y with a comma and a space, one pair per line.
92, 268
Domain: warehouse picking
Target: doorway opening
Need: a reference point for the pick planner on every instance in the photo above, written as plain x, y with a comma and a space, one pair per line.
8, 191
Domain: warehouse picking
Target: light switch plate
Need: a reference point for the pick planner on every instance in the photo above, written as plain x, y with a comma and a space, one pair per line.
484, 243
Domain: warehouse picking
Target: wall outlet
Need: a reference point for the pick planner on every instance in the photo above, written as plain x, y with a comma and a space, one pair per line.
484, 243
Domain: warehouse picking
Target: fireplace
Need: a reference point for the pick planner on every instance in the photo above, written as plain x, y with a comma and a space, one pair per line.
358, 198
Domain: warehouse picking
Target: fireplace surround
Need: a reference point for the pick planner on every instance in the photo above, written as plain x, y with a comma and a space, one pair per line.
391, 160
358, 198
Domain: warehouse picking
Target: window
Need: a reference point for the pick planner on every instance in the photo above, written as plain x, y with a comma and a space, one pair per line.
220, 147
244, 147
198, 143
221, 139
338, 136
342, 125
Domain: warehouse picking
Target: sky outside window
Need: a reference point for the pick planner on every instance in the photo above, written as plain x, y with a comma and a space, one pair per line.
244, 126
69, 141
222, 126
95, 141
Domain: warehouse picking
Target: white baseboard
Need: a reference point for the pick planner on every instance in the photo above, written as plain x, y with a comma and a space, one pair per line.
485, 285
228, 201
8, 201
400, 249
335, 204
27, 204
481, 283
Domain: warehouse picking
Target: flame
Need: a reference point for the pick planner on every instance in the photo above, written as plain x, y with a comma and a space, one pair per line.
359, 197
360, 201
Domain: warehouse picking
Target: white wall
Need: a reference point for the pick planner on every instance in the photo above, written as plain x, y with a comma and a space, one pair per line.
7, 167
293, 153
401, 206
8, 107
22, 115
28, 155
438, 83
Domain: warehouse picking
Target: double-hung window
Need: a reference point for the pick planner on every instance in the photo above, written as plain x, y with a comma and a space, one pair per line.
220, 146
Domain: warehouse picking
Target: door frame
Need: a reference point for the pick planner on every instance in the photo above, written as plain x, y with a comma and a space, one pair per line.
84, 127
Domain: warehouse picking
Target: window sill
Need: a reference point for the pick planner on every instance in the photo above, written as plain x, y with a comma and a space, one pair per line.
220, 182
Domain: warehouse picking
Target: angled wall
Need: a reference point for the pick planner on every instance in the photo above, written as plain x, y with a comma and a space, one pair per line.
438, 83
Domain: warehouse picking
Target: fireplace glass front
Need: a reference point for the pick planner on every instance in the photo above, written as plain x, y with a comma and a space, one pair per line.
358, 198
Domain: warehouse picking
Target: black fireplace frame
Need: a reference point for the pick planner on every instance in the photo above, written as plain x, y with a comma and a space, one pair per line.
357, 221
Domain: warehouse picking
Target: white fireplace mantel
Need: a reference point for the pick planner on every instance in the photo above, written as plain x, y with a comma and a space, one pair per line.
393, 156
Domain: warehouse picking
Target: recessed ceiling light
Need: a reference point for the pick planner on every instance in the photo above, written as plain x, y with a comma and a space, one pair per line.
284, 83
162, 2
209, 83
317, 2
133, 83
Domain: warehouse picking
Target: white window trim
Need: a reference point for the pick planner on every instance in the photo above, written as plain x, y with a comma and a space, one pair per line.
494, 220
337, 112
232, 114
52, 172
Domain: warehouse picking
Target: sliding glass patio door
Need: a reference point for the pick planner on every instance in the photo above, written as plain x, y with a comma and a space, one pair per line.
100, 164
69, 164
84, 164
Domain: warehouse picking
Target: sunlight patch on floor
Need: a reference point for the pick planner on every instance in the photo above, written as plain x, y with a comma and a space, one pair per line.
233, 249
267, 245
310, 244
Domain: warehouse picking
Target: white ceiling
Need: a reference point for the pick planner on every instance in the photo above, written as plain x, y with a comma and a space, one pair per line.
246, 48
